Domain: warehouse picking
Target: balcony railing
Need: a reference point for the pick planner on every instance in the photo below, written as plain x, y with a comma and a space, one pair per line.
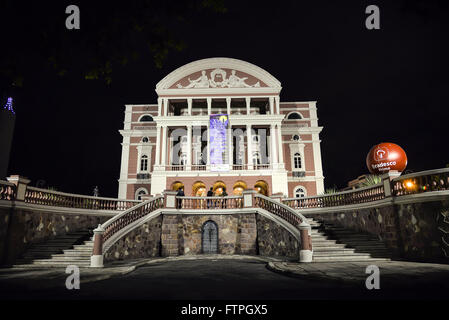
298, 174
362, 195
60, 199
143, 176
198, 167
425, 181
229, 202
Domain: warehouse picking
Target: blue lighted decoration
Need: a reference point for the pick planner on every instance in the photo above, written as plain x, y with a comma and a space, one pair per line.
8, 105
218, 140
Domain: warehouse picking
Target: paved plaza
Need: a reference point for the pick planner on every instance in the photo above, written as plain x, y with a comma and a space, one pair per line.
230, 277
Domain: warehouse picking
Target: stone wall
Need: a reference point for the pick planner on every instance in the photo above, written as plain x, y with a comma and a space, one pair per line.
143, 242
274, 240
415, 231
21, 228
182, 234
173, 234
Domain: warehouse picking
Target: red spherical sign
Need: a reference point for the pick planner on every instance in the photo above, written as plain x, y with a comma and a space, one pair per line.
385, 157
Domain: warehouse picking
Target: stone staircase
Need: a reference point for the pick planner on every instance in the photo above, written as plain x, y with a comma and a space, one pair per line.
74, 248
334, 244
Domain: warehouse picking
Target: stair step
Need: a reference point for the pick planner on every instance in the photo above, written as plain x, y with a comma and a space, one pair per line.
72, 255
347, 258
321, 241
332, 248
59, 260
59, 263
81, 246
327, 245
335, 253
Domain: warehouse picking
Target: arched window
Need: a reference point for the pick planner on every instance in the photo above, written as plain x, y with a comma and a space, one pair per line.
146, 118
300, 192
297, 161
145, 140
294, 116
144, 163
140, 192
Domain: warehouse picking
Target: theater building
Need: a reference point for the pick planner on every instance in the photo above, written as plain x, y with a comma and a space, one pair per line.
220, 123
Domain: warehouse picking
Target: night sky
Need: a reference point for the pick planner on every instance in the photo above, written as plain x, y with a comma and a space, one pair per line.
371, 86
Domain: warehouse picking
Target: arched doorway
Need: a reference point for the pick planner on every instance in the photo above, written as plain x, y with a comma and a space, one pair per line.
199, 189
261, 187
238, 188
218, 188
177, 185
209, 237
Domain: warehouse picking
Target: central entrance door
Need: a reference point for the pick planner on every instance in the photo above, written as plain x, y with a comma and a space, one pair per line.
210, 237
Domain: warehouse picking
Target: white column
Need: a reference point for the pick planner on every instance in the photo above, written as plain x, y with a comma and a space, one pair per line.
157, 161
249, 147
271, 100
124, 168
280, 147
159, 106
189, 106
316, 148
164, 146
230, 147
274, 156
248, 105
209, 106
166, 107
276, 100
228, 105
189, 147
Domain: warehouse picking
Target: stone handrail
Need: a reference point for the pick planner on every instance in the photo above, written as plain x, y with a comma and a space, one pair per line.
424, 181
123, 219
7, 190
361, 195
229, 202
61, 199
118, 223
294, 218
279, 209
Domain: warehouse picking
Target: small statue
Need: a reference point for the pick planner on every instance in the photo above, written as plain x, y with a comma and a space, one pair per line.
96, 191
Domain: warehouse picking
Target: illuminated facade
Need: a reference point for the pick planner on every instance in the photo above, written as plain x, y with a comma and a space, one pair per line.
220, 123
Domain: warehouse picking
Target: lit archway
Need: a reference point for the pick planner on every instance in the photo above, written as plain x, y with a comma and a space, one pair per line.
199, 189
261, 187
238, 188
177, 185
218, 188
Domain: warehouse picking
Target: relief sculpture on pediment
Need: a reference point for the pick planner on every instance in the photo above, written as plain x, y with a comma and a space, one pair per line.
218, 79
